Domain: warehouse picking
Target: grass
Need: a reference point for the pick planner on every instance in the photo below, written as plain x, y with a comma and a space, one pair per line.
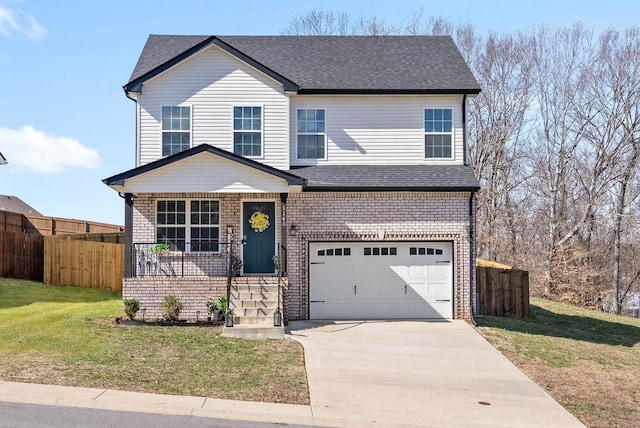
67, 336
588, 361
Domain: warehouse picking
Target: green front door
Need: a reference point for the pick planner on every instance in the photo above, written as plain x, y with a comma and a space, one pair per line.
259, 229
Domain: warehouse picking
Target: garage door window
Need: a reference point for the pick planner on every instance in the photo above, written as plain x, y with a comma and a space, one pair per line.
335, 252
421, 251
380, 251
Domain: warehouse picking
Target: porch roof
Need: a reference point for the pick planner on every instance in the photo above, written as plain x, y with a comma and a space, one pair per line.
170, 163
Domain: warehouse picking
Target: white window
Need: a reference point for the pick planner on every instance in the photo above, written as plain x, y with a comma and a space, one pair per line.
438, 133
247, 131
176, 129
311, 134
189, 225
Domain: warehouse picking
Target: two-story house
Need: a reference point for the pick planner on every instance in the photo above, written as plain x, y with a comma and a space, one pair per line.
345, 156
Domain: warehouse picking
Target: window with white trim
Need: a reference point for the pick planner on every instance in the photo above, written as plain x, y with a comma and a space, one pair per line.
438, 133
311, 134
189, 225
176, 129
247, 131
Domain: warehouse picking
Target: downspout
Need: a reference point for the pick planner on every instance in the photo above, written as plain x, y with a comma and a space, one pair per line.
472, 265
465, 149
137, 154
128, 211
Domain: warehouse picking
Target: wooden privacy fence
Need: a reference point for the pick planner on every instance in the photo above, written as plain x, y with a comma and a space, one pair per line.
83, 263
21, 256
503, 291
39, 225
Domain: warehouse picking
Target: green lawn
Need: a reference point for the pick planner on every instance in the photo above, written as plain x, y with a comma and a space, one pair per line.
588, 361
67, 336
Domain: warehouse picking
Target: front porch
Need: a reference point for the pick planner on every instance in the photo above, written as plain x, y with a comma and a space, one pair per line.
253, 299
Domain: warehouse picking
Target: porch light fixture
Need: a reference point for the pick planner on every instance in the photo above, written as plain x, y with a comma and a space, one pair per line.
293, 229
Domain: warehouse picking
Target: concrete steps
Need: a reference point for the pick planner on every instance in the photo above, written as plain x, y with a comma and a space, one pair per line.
253, 332
253, 307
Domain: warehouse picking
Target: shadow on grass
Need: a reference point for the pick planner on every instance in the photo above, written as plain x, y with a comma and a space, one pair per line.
16, 292
584, 328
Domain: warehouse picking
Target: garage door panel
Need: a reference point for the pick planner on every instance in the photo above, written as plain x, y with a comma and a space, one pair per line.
437, 270
380, 280
437, 289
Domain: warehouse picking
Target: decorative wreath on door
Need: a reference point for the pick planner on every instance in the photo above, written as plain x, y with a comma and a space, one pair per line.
259, 221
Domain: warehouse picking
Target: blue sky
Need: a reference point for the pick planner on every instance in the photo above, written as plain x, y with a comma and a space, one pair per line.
65, 123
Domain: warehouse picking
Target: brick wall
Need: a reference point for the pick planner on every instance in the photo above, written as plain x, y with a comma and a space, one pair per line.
346, 216
191, 291
383, 216
144, 229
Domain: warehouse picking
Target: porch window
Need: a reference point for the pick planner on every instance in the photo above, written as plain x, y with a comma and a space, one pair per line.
311, 134
438, 133
189, 225
176, 129
247, 131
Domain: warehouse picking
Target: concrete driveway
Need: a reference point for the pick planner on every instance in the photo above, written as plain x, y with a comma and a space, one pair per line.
417, 373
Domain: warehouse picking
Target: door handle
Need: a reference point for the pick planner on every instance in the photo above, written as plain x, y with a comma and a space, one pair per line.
355, 290
405, 289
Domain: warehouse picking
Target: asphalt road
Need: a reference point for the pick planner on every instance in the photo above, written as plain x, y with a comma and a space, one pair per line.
18, 415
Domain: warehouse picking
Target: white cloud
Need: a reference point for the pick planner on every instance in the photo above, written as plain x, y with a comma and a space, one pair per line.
18, 21
29, 149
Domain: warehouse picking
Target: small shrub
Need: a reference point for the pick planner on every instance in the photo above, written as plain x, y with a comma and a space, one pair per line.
157, 248
221, 304
171, 307
131, 308
211, 304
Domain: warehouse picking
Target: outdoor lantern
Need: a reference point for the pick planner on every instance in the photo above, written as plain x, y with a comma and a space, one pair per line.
197, 316
143, 312
228, 318
293, 229
277, 318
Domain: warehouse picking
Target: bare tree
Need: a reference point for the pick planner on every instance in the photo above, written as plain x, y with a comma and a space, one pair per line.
498, 129
319, 23
619, 85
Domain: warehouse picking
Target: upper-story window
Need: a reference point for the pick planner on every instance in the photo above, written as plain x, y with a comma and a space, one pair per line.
311, 134
176, 129
189, 225
247, 131
438, 133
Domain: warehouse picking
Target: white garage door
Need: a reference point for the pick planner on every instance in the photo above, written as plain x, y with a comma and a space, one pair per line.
380, 280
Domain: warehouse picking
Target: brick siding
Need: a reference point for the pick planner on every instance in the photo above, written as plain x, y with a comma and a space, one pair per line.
337, 216
383, 216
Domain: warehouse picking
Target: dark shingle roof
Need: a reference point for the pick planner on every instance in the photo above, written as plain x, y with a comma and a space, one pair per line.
389, 177
329, 64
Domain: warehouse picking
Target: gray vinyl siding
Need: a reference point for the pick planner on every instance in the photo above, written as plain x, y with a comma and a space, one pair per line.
377, 129
211, 83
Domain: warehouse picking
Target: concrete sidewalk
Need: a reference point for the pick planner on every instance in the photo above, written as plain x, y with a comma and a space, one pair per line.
107, 399
418, 373
361, 374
